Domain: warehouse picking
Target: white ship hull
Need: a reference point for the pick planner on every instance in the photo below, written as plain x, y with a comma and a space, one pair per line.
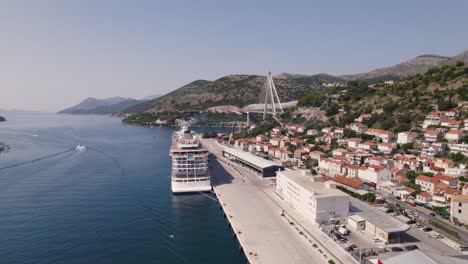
191, 187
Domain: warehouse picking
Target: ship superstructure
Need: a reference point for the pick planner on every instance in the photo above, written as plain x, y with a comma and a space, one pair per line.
190, 171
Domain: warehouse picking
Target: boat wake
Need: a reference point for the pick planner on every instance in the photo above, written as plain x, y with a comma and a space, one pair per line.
37, 159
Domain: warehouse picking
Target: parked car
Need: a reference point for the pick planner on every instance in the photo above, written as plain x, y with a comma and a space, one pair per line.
410, 222
349, 249
343, 240
419, 226
463, 248
375, 239
411, 247
396, 249
427, 229
438, 236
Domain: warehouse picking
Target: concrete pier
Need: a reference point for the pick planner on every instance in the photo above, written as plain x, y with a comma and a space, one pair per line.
264, 229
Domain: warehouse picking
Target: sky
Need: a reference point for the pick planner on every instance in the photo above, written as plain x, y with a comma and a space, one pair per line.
55, 53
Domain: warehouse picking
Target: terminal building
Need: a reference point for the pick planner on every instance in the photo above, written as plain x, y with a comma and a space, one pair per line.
375, 222
318, 201
261, 166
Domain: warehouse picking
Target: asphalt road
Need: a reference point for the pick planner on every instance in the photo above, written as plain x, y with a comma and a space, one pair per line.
424, 213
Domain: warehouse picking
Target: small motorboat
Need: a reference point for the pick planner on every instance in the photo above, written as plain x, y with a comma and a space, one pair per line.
80, 148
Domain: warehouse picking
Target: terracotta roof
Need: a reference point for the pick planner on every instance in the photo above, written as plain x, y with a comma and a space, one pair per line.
426, 179
396, 170
431, 132
318, 153
425, 194
376, 168
455, 132
351, 182
448, 190
442, 177
401, 179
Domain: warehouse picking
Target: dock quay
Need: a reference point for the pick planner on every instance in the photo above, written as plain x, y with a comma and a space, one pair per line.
267, 231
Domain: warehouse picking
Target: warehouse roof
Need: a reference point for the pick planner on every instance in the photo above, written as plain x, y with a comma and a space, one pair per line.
380, 219
251, 158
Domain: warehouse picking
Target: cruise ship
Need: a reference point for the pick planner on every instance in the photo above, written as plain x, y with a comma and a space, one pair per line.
190, 171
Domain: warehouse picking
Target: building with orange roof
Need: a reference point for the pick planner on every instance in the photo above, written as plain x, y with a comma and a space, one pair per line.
397, 172
354, 142
451, 123
401, 180
367, 146
427, 183
454, 136
432, 135
384, 135
374, 174
352, 170
318, 155
406, 137
424, 197
450, 181
353, 182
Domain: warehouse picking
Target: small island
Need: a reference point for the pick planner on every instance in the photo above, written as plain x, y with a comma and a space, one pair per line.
2, 119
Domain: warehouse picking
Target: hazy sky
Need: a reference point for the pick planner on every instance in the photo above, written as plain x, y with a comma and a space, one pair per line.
53, 54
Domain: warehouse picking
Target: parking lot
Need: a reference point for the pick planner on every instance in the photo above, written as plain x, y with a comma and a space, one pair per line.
417, 237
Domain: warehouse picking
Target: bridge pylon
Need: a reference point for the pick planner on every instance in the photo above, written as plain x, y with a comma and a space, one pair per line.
272, 102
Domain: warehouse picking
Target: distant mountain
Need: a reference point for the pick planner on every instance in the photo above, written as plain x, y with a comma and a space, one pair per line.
418, 65
101, 106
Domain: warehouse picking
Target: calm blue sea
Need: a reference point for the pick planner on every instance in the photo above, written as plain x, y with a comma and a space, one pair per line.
109, 204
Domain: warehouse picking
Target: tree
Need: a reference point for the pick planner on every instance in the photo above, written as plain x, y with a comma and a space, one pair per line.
313, 99
407, 147
457, 157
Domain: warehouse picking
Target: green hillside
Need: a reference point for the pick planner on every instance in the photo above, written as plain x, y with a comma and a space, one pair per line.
397, 107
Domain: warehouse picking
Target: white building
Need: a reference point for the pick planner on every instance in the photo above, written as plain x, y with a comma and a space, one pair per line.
433, 119
374, 174
354, 142
332, 167
459, 208
406, 137
318, 201
462, 148
454, 135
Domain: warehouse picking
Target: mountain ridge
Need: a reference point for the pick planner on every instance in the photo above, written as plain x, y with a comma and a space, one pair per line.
91, 105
